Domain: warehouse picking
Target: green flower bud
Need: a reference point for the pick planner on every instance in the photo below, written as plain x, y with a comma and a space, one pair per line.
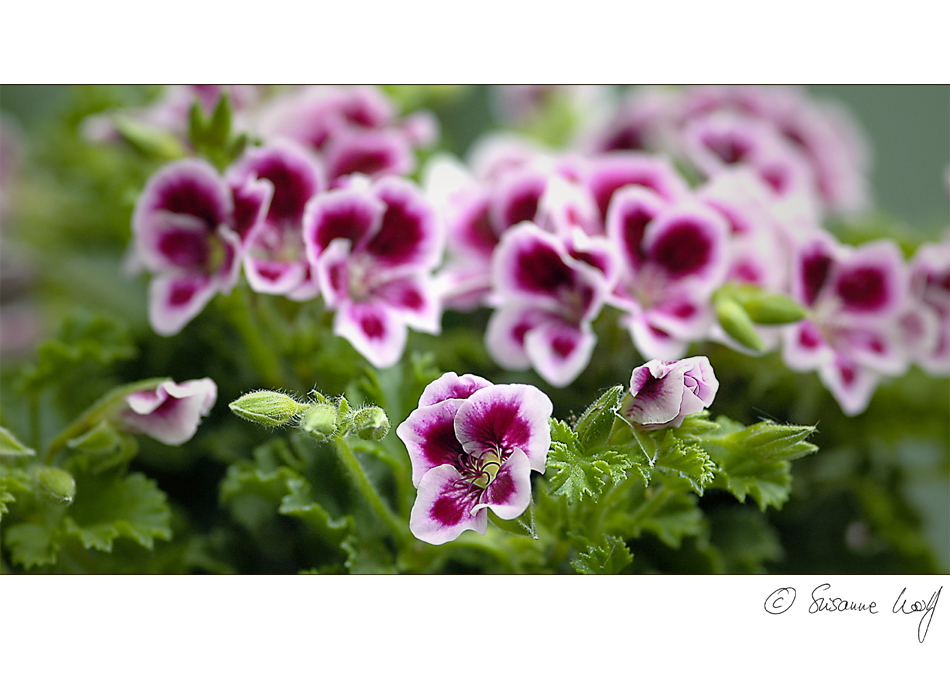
55, 485
319, 421
267, 408
736, 322
371, 423
594, 425
767, 308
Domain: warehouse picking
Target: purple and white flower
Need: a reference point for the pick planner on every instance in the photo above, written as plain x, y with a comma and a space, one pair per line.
473, 446
274, 258
674, 254
352, 129
373, 248
182, 233
548, 300
852, 337
665, 393
171, 412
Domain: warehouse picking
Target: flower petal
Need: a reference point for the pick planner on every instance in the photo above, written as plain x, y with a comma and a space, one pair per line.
171, 413
374, 330
175, 300
656, 394
444, 507
414, 298
429, 435
452, 386
343, 213
504, 418
560, 351
410, 235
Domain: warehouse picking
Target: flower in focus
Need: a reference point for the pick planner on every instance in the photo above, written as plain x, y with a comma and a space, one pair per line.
373, 248
664, 393
473, 445
181, 229
171, 412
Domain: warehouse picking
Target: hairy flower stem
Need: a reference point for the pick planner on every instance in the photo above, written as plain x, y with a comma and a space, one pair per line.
238, 308
362, 482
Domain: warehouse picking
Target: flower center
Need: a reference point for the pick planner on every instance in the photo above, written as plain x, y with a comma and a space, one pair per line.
486, 468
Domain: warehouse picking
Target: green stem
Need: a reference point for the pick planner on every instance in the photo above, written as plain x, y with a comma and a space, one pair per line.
100, 410
263, 356
369, 492
651, 505
35, 420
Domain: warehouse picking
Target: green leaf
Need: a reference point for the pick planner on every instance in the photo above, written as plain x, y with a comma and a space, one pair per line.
770, 440
81, 339
368, 556
671, 516
299, 503
682, 459
11, 446
107, 507
219, 128
610, 556
754, 461
31, 545
580, 474
150, 141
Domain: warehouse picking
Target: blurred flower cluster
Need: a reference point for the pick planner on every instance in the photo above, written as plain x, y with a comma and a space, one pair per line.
659, 209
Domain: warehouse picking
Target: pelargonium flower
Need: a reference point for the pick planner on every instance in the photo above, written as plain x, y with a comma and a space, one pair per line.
473, 446
664, 393
182, 232
547, 301
274, 258
353, 129
373, 248
926, 323
171, 412
856, 296
674, 254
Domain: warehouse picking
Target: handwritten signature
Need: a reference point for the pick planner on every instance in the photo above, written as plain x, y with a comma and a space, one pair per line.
782, 599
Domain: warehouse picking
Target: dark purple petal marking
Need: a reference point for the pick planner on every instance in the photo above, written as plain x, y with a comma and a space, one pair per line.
475, 229
186, 195
682, 249
564, 345
337, 217
815, 267
520, 202
863, 289
292, 188
372, 326
627, 138
728, 146
182, 291
541, 269
405, 231
368, 161
184, 248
